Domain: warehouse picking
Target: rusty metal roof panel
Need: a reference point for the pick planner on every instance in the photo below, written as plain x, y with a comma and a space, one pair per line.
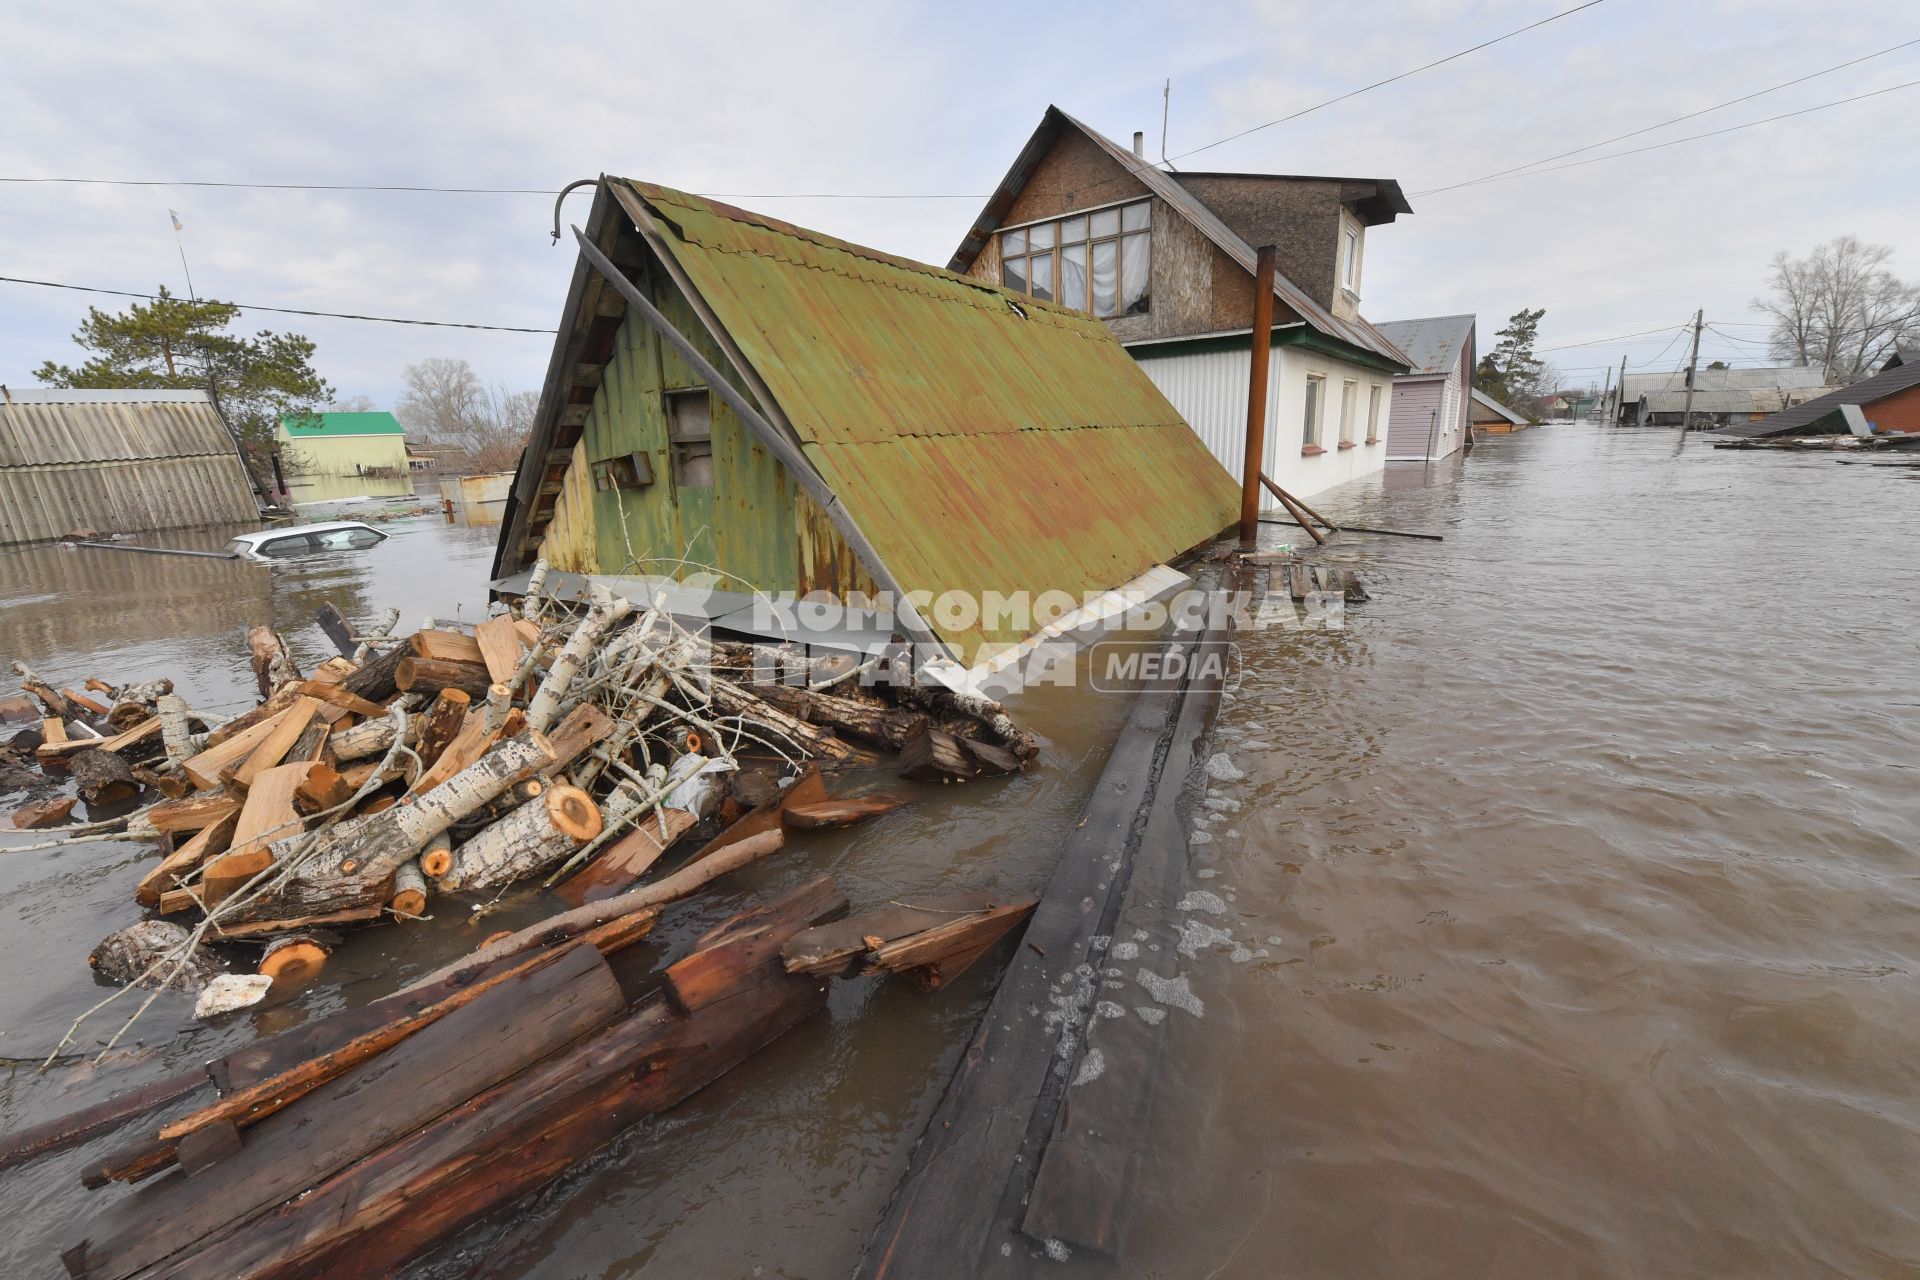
981, 439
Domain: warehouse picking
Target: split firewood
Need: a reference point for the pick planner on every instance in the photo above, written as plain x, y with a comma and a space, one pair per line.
172, 784
43, 814
209, 842
272, 665
103, 777
532, 838
323, 788
193, 812
500, 647
274, 748
621, 864
933, 755
311, 745
583, 727
415, 674
118, 743
339, 696
474, 740
456, 646
206, 768
441, 721
81, 702
228, 729
269, 813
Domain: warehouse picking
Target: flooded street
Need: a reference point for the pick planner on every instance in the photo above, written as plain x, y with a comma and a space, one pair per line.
1573, 912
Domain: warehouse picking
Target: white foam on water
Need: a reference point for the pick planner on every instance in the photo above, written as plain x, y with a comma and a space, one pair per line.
1172, 992
1221, 768
1200, 837
1125, 950
1150, 1015
1092, 1067
1201, 900
1108, 1009
1057, 1249
1197, 935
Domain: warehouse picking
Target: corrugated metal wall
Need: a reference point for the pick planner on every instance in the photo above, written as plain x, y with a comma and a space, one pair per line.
1209, 388
115, 466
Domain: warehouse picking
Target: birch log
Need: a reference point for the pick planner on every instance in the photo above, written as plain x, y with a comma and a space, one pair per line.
369, 738
409, 901
272, 667
525, 842
606, 610
175, 731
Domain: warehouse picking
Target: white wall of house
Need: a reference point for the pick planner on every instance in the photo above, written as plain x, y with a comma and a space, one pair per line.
1209, 388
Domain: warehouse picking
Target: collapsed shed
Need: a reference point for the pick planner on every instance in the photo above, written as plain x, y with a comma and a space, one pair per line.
1887, 402
802, 417
116, 462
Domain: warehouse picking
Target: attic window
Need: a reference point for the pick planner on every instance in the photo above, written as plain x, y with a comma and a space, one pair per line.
1099, 261
690, 437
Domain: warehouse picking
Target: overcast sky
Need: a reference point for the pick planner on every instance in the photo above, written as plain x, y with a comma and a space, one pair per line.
924, 100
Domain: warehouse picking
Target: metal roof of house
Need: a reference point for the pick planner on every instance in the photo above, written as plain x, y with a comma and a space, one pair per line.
1806, 417
122, 461
1488, 403
1762, 390
1164, 185
1432, 343
981, 440
328, 425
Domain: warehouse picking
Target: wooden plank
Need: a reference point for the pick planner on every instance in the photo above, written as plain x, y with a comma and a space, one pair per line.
449, 646
85, 703
274, 747
500, 647
53, 737
838, 813
829, 948
944, 952
204, 769
719, 965
619, 866
465, 1053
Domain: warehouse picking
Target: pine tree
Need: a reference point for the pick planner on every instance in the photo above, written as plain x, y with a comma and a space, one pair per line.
1511, 373
183, 344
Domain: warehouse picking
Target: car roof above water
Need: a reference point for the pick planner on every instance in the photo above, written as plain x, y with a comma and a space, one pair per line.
292, 530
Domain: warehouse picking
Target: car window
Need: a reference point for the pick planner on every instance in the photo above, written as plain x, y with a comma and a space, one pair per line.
238, 547
359, 538
295, 545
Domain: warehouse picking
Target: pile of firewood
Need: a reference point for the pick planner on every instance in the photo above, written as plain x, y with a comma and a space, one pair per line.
574, 745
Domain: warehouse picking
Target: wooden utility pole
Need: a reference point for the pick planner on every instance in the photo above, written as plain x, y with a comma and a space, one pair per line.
1693, 366
1606, 394
1261, 355
1620, 405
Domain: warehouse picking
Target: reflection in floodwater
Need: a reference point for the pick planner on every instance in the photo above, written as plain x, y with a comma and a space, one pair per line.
305, 489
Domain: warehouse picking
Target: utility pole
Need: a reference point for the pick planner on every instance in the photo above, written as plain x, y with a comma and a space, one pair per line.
1620, 390
1693, 365
1606, 393
1260, 356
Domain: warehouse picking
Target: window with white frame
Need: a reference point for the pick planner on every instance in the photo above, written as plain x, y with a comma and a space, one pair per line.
1349, 392
1373, 414
1310, 424
1100, 261
1350, 272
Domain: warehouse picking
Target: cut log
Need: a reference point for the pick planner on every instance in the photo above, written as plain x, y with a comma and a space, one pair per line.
409, 900
176, 730
470, 1050
437, 856
938, 955
441, 722
229, 872
211, 841
431, 675
274, 748
736, 701
453, 646
873, 722
289, 961
272, 665
205, 768
500, 647
374, 680
323, 788
537, 835
172, 785
193, 812
43, 814
838, 813
934, 755
103, 777
127, 955
370, 738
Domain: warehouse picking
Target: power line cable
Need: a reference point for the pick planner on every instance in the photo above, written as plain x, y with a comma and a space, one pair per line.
1622, 137
1693, 137
285, 311
1601, 342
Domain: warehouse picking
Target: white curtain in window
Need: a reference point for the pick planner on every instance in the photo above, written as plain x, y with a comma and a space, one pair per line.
1106, 263
1136, 273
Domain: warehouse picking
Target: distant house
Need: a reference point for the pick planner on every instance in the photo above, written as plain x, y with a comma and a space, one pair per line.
864, 428
1889, 401
1720, 396
1429, 418
1166, 261
116, 462
345, 444
1490, 417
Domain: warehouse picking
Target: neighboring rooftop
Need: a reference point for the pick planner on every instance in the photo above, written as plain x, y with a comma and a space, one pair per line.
1821, 414
1432, 343
311, 426
1761, 390
1494, 407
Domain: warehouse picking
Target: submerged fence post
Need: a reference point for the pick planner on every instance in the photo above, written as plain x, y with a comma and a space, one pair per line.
1261, 355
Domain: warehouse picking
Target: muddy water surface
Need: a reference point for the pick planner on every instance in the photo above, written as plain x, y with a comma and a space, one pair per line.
1571, 889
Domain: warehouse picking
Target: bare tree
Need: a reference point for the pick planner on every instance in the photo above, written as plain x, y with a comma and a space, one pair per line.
1839, 308
352, 404
479, 428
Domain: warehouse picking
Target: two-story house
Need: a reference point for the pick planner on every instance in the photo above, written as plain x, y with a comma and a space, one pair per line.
1167, 260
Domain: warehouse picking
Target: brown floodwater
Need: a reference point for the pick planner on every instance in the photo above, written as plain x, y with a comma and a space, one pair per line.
1571, 924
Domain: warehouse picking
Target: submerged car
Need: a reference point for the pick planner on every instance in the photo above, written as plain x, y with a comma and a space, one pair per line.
304, 540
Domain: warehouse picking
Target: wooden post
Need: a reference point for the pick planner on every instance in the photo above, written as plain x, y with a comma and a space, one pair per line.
1693, 372
1261, 355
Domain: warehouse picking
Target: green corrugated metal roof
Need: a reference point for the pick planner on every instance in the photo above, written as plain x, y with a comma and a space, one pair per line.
982, 440
311, 426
